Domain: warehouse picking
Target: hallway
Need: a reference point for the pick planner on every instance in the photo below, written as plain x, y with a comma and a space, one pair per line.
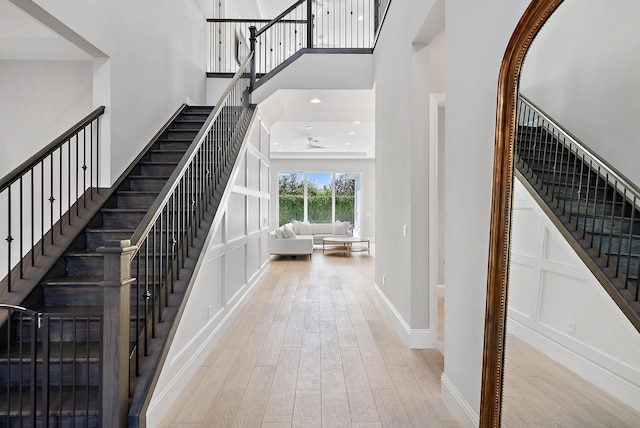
312, 348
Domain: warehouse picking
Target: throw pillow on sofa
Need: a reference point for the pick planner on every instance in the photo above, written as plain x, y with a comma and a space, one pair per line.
288, 233
296, 227
305, 228
279, 233
340, 227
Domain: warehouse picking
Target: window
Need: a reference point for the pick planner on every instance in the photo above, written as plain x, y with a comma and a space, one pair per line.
291, 196
320, 197
347, 191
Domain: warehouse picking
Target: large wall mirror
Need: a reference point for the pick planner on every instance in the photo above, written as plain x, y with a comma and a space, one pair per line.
530, 263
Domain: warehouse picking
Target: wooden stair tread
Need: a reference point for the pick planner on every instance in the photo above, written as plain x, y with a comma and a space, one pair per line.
125, 210
96, 230
72, 281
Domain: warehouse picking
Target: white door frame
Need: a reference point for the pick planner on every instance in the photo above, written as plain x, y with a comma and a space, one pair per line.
435, 102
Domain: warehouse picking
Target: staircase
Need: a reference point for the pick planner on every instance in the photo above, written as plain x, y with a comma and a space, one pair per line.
51, 354
598, 208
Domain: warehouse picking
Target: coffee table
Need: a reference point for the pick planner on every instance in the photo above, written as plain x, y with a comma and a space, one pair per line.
345, 244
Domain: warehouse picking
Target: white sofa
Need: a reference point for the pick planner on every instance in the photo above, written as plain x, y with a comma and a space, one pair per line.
298, 246
298, 238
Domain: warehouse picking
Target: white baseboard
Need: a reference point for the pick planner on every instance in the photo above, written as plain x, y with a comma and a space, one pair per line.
416, 338
457, 405
603, 378
162, 401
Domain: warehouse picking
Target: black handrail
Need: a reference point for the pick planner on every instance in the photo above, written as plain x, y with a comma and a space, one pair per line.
14, 175
152, 215
160, 246
61, 176
279, 17
576, 143
331, 25
237, 20
595, 206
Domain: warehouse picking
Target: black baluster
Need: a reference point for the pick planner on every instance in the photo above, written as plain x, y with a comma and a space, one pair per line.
20, 253
52, 199
33, 250
9, 240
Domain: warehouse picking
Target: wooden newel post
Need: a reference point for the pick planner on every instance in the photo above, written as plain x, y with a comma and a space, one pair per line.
117, 308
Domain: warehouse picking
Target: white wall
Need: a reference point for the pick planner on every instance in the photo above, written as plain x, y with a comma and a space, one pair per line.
234, 262
583, 70
477, 35
437, 61
558, 306
404, 60
245, 9
326, 71
40, 100
368, 177
156, 53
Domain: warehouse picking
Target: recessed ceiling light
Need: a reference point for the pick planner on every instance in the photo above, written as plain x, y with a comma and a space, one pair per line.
347, 144
356, 122
275, 144
316, 101
344, 150
351, 133
279, 150
309, 127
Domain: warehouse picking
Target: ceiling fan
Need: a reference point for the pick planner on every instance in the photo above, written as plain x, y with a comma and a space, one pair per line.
312, 144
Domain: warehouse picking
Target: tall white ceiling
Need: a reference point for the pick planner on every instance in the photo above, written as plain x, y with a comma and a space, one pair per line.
344, 123
293, 118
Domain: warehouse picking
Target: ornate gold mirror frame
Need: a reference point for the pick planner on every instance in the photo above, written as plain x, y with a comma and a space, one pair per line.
530, 24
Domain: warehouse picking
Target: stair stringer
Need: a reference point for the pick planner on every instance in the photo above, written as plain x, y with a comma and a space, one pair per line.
179, 362
603, 346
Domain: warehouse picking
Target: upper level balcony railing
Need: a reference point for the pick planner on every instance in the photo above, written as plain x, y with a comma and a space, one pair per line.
307, 24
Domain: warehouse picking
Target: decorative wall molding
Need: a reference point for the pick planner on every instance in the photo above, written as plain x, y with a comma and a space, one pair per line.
226, 275
558, 306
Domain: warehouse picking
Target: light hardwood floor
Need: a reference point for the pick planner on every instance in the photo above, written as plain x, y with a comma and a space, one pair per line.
313, 348
539, 392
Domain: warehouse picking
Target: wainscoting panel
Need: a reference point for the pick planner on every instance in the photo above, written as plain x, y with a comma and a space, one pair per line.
236, 222
253, 257
571, 318
253, 162
233, 266
557, 294
236, 271
555, 252
253, 219
523, 289
527, 245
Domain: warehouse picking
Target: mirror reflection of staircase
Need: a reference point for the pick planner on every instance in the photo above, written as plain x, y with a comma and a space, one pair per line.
595, 207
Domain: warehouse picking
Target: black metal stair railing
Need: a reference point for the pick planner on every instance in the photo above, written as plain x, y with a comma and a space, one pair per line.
52, 369
49, 189
308, 25
597, 204
305, 26
149, 264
